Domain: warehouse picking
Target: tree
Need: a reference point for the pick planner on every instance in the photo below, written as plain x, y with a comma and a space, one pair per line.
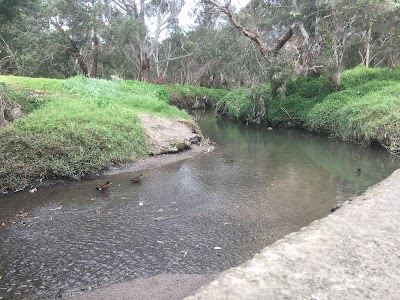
144, 39
80, 23
11, 9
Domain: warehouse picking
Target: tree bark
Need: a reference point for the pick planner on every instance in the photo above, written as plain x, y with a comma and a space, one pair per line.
145, 68
393, 44
312, 48
368, 51
93, 71
337, 47
1, 111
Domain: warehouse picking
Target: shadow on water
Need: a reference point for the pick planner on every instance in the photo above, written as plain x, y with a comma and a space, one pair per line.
198, 216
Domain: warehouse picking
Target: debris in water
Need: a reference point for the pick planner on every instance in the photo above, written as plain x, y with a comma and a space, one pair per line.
33, 190
217, 248
56, 208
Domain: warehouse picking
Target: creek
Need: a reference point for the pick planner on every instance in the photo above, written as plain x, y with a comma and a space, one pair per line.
197, 216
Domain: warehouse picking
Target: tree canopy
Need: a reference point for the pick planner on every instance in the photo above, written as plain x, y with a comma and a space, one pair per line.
267, 40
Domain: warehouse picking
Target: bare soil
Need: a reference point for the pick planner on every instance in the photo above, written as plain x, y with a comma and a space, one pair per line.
170, 141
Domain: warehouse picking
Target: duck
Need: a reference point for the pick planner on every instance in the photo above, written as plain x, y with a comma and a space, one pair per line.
104, 186
33, 190
358, 170
137, 179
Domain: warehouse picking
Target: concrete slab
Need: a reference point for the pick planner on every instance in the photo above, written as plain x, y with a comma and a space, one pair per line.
354, 253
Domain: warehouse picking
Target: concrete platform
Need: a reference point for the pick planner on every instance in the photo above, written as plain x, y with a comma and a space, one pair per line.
354, 253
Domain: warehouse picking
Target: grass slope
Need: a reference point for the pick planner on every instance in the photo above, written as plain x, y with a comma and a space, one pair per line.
76, 126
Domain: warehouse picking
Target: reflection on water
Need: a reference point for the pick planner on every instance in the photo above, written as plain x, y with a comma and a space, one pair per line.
198, 216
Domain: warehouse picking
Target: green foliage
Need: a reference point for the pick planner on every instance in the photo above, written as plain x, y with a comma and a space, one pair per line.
32, 84
258, 105
302, 94
184, 95
10, 9
365, 111
246, 104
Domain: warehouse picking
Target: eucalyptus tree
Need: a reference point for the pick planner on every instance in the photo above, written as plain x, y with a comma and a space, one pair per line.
81, 23
11, 9
10, 12
150, 22
376, 32
287, 34
361, 32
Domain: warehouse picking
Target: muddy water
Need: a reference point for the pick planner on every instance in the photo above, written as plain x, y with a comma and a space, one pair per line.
198, 216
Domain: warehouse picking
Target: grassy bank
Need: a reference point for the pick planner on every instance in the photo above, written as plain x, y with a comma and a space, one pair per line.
365, 110
76, 127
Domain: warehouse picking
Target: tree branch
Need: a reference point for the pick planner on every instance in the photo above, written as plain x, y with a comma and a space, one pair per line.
265, 52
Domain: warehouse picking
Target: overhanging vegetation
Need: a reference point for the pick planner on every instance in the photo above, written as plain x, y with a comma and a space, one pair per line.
365, 110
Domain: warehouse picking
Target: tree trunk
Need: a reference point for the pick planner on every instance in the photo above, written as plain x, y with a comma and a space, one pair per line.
368, 51
145, 71
93, 71
338, 48
312, 49
265, 51
1, 111
393, 44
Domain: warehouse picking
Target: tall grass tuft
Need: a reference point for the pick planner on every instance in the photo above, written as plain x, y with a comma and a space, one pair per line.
248, 105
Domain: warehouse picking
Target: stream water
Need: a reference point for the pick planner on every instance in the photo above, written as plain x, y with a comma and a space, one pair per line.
198, 216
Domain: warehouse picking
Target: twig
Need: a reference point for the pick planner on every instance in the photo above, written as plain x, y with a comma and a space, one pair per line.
286, 112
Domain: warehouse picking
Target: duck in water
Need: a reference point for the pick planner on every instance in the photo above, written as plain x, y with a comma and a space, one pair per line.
104, 186
136, 179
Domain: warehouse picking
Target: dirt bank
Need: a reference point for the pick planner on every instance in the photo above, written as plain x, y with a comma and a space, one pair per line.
168, 138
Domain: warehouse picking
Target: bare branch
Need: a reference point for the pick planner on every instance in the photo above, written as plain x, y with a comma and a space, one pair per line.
265, 52
174, 58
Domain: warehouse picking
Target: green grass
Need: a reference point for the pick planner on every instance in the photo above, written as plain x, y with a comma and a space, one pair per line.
79, 126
